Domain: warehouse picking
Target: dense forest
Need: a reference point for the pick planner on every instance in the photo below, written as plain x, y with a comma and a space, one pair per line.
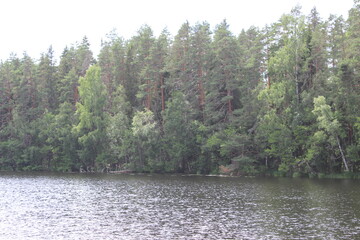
283, 99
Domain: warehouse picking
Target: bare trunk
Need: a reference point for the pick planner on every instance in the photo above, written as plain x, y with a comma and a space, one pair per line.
201, 88
266, 162
230, 107
10, 101
148, 96
342, 154
76, 94
162, 94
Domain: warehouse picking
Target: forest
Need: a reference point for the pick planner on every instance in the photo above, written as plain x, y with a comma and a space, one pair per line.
283, 100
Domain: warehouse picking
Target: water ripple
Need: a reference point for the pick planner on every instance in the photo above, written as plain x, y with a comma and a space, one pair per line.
75, 206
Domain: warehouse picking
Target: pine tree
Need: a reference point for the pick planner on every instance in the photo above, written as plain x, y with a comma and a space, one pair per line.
48, 81
252, 70
143, 42
336, 41
112, 62
180, 62
222, 86
153, 75
201, 52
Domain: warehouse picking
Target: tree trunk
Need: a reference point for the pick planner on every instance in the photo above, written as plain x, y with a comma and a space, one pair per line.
76, 94
230, 107
266, 162
162, 93
148, 96
201, 88
342, 155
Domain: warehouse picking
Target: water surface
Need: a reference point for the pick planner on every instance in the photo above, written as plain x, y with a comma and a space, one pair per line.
99, 206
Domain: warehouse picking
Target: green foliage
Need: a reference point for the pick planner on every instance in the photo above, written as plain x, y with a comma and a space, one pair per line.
92, 119
118, 130
145, 132
179, 135
282, 100
325, 116
63, 141
327, 121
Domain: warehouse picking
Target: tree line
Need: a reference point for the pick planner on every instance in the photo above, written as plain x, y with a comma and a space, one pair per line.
284, 98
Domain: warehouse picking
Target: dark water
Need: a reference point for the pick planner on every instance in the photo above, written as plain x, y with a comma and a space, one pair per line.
79, 206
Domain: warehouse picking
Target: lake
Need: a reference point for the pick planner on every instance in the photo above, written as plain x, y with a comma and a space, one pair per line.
105, 206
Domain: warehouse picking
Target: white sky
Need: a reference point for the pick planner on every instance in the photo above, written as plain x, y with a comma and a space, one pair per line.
34, 25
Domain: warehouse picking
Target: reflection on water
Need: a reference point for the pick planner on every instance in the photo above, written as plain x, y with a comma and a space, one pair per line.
80, 206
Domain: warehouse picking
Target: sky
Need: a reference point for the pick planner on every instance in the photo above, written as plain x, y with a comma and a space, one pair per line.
34, 25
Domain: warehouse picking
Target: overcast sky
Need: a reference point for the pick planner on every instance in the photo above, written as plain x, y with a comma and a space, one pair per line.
34, 25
